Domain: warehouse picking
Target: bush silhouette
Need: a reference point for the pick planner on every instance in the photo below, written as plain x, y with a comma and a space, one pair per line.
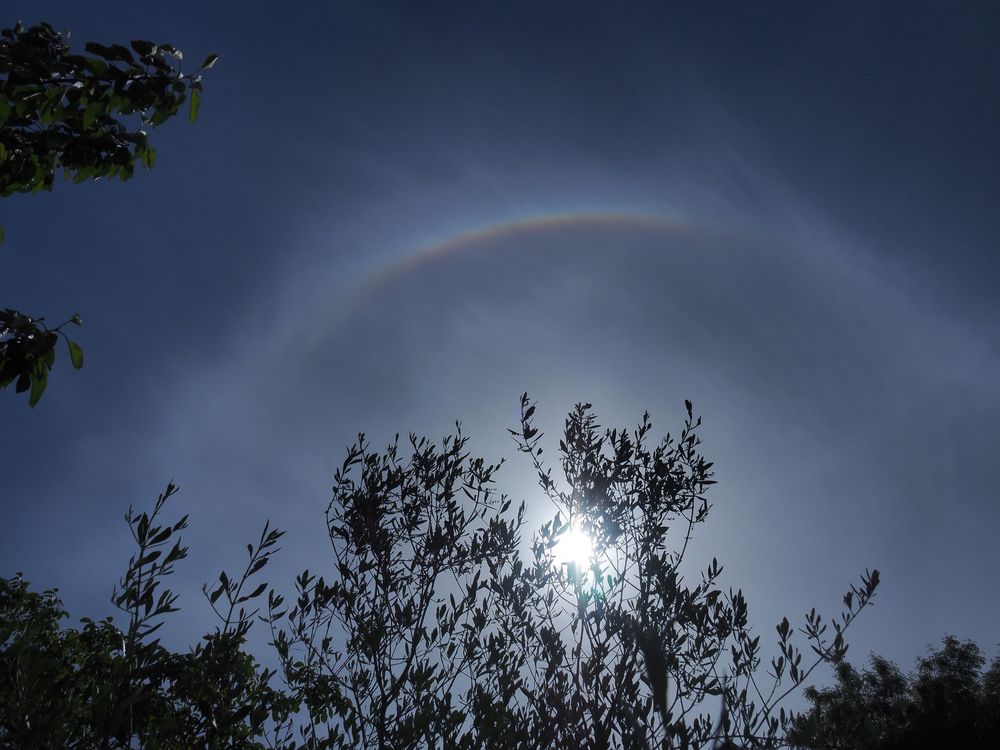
948, 701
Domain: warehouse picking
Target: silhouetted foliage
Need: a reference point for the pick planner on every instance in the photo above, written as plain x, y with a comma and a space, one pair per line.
435, 626
28, 351
88, 115
948, 701
102, 686
433, 630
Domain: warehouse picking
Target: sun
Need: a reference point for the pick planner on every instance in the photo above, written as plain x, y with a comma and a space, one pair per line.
574, 546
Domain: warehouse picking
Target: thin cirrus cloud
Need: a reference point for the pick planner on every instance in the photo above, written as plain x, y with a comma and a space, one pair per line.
826, 392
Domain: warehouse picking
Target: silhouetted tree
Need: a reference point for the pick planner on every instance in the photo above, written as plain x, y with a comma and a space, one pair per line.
104, 686
432, 630
88, 115
948, 701
434, 626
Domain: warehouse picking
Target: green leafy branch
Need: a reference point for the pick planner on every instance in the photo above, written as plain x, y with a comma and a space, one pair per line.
28, 352
64, 110
87, 114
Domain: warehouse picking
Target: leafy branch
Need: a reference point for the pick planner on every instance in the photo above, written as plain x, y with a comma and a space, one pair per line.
28, 352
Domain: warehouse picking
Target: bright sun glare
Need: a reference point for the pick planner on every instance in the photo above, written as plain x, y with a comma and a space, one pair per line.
574, 546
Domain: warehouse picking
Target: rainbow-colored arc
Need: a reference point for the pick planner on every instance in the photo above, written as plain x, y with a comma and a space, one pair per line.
522, 226
343, 306
380, 277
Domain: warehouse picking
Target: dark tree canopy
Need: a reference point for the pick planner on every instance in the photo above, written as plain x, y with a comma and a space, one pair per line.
87, 115
114, 685
948, 701
439, 622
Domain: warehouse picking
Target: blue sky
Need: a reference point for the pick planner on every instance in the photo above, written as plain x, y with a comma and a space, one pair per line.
390, 216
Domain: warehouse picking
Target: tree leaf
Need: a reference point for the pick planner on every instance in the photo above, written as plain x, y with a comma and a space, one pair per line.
148, 156
195, 105
76, 354
90, 114
143, 47
37, 389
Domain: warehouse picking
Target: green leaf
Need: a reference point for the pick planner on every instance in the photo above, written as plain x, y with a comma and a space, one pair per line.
90, 114
118, 52
143, 47
195, 105
37, 389
97, 49
1, 233
97, 67
160, 116
76, 354
148, 156
209, 62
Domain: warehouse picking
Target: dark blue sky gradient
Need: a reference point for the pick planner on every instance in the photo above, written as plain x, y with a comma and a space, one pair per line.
822, 286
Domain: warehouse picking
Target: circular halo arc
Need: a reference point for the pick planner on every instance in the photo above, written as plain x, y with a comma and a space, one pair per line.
379, 278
